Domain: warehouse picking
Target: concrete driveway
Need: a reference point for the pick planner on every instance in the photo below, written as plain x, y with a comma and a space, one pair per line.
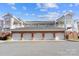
39, 48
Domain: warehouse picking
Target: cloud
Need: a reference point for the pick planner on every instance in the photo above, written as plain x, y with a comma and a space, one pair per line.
76, 17
50, 16
76, 4
51, 5
64, 11
71, 5
47, 5
44, 6
24, 8
38, 5
43, 9
53, 15
26, 14
70, 10
33, 14
12, 5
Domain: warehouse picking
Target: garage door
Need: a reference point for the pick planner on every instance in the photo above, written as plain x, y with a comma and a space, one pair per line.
16, 36
38, 36
27, 36
49, 36
59, 36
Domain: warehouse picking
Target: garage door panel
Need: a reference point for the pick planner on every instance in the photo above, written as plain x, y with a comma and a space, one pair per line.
49, 36
59, 36
27, 36
38, 36
16, 36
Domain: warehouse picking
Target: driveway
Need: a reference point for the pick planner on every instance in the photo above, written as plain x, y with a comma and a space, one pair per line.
39, 48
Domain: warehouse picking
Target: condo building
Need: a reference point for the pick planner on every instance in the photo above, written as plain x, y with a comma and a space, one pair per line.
38, 30
10, 22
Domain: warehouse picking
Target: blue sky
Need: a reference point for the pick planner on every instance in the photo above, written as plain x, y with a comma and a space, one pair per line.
39, 11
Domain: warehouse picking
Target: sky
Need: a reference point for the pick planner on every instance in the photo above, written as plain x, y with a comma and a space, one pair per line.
39, 11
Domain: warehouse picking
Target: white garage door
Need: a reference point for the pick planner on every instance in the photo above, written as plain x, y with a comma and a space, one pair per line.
16, 36
59, 36
38, 36
27, 36
49, 36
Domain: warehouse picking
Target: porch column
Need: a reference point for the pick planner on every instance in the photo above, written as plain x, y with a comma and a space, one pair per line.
11, 36
43, 34
54, 35
21, 35
32, 35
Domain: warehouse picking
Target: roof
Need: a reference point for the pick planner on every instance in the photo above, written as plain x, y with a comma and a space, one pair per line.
38, 29
8, 14
69, 13
39, 22
61, 18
